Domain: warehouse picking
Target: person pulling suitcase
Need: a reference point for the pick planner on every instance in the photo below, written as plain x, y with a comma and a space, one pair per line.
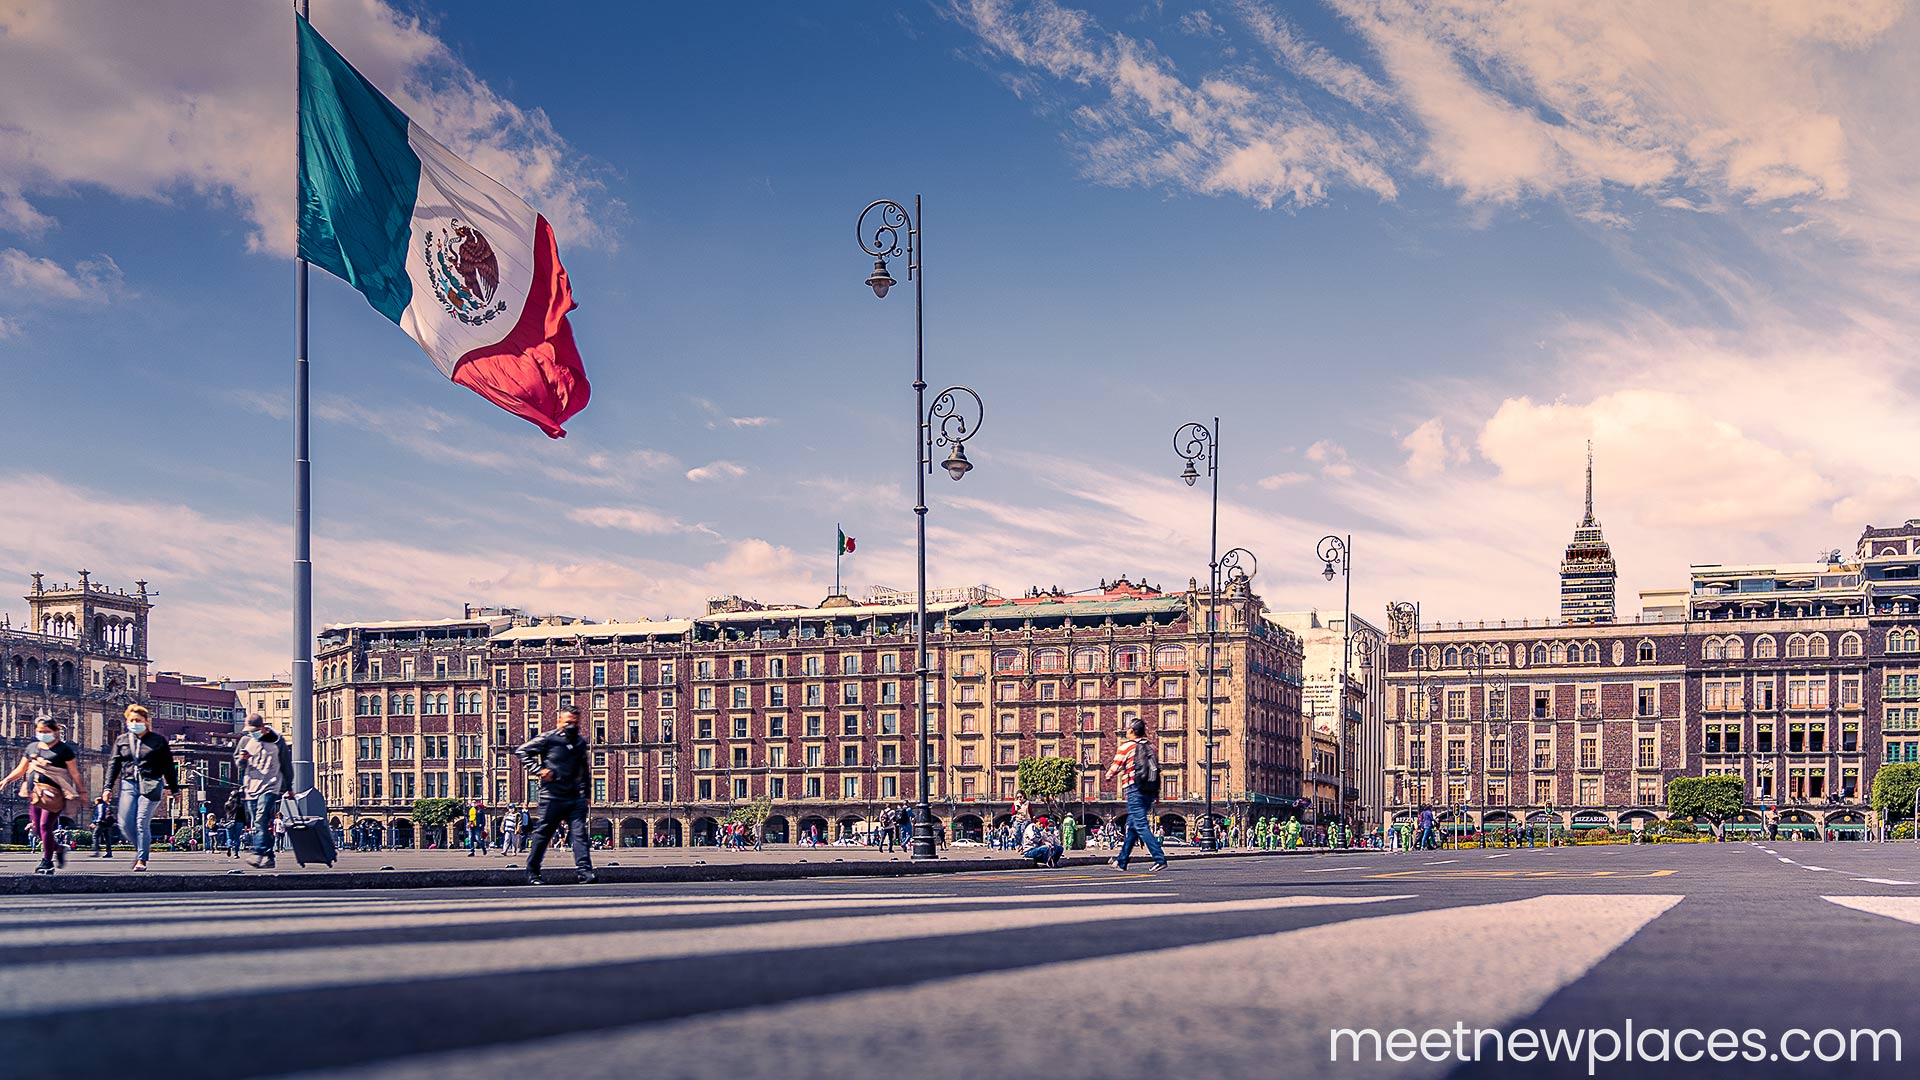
258, 761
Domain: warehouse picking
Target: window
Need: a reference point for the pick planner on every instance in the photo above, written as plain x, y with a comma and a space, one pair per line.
1849, 738
1456, 755
1589, 791
1542, 791
1497, 755
1764, 648
1648, 754
1542, 703
1589, 753
776, 697
1646, 653
1647, 791
739, 727
1456, 704
703, 698
1589, 701
1646, 702
740, 698
850, 723
1542, 753
1850, 645
566, 674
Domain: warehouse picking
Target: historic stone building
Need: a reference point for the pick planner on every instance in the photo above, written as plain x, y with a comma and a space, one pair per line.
1799, 678
1361, 757
814, 709
80, 658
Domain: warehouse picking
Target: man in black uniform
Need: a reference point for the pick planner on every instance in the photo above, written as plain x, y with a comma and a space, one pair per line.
558, 760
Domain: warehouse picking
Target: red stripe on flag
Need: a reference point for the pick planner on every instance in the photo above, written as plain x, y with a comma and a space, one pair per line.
534, 372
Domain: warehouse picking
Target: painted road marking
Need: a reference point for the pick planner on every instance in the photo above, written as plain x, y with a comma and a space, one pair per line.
485, 914
45, 988
1465, 872
1904, 908
1332, 869
1484, 966
1784, 859
1884, 881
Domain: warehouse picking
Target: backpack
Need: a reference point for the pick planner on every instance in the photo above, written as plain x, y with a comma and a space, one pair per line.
1146, 771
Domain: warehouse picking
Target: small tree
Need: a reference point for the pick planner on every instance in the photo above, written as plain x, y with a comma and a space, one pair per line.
1710, 798
1893, 788
752, 813
1048, 780
437, 813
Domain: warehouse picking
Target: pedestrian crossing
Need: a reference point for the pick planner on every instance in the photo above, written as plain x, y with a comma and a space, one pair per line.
1142, 977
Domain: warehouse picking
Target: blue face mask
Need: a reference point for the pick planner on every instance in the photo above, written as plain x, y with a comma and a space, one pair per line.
48, 737
137, 728
256, 734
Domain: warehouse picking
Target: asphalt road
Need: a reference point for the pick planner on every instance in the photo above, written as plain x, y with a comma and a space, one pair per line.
1237, 968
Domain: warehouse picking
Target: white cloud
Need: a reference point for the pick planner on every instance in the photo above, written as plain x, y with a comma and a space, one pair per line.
94, 280
1332, 459
716, 470
631, 519
1430, 449
9, 328
1140, 122
1780, 103
153, 101
1281, 480
751, 421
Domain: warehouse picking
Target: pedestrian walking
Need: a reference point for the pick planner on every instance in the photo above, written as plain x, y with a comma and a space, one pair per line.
476, 828
50, 779
142, 765
509, 826
559, 761
263, 780
102, 828
1137, 766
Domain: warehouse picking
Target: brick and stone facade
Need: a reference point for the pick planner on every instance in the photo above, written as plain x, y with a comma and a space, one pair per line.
80, 658
1799, 678
813, 709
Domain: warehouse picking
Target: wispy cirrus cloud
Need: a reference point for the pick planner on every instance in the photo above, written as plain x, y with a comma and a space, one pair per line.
36, 278
1137, 120
716, 470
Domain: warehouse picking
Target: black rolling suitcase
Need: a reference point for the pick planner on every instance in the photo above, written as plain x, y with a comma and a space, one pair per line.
310, 838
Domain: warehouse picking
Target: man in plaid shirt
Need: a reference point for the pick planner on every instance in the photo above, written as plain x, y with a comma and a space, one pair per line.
1141, 791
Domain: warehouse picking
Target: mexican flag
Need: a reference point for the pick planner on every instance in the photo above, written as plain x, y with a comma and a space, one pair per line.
846, 544
468, 270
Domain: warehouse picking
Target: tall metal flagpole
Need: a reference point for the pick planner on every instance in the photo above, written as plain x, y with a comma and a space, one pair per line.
302, 524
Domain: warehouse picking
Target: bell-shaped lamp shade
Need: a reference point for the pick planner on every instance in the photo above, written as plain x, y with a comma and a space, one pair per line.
880, 281
957, 464
1190, 475
1328, 572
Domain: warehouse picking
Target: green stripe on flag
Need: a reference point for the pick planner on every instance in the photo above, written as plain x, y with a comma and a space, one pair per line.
359, 178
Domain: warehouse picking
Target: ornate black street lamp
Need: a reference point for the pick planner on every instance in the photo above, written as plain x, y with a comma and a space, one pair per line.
1336, 553
885, 230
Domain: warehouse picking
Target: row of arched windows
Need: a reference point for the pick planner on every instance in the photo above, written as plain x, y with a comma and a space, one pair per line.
1540, 655
1798, 646
27, 671
429, 704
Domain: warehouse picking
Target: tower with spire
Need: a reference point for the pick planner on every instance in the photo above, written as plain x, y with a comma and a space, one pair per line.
1588, 576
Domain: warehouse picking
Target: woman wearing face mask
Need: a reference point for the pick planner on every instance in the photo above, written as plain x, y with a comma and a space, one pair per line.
52, 783
142, 762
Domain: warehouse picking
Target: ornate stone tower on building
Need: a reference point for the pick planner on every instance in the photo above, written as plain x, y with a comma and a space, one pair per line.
1588, 576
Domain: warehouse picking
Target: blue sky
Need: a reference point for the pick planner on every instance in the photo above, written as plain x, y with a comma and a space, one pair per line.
1413, 256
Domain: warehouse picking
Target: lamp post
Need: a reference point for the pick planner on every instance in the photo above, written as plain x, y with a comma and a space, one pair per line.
1195, 443
885, 230
1337, 554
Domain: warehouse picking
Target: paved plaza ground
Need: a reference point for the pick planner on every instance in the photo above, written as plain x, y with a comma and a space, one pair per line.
1215, 968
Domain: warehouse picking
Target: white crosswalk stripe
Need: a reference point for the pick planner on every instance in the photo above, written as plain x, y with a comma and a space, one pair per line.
1904, 908
1485, 966
249, 924
48, 987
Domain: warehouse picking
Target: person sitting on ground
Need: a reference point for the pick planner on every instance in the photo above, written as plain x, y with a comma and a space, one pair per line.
1038, 843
